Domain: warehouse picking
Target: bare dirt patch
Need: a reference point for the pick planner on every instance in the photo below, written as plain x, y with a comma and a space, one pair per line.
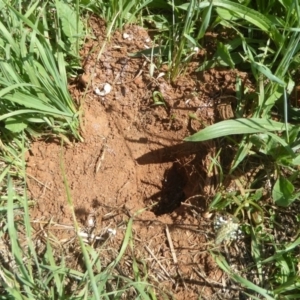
133, 157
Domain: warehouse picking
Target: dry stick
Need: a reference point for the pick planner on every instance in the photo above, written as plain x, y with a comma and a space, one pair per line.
171, 246
101, 158
45, 185
174, 255
215, 284
67, 227
211, 283
162, 267
131, 80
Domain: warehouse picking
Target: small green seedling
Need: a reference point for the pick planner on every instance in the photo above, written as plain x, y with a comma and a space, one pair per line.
158, 99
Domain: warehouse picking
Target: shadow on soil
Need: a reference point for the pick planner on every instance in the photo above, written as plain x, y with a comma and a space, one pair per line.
179, 178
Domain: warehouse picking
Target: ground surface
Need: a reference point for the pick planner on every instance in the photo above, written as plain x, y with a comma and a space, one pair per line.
133, 157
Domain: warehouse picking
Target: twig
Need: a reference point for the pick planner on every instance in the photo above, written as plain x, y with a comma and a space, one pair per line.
174, 255
162, 267
101, 158
45, 185
171, 246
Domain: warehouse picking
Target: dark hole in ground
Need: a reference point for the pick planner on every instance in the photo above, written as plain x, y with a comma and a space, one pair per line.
172, 193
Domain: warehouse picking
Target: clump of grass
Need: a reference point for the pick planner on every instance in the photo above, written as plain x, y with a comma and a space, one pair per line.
271, 144
33, 79
179, 33
270, 96
118, 13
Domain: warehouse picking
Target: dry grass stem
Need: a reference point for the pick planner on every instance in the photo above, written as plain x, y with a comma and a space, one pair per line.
171, 246
158, 262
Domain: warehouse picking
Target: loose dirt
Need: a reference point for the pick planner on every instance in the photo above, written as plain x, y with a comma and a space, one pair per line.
133, 162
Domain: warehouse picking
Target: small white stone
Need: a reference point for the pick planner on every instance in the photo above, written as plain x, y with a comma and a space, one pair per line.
112, 231
106, 90
97, 91
127, 36
91, 222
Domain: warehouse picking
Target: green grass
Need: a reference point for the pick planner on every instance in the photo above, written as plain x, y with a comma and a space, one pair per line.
44, 276
39, 51
27, 272
33, 71
266, 45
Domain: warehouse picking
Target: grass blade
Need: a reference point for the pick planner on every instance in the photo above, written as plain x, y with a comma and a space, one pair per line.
238, 126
